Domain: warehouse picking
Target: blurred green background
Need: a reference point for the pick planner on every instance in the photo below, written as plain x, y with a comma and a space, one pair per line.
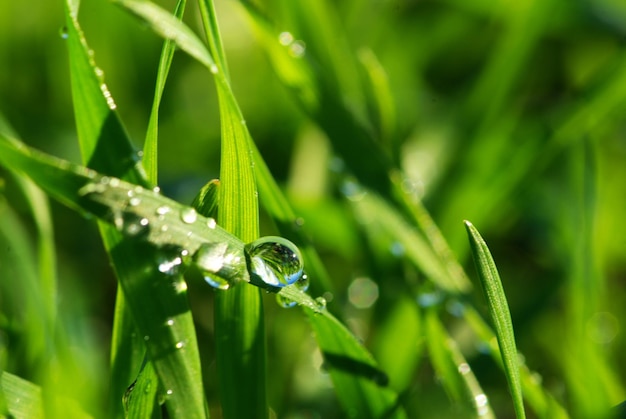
508, 114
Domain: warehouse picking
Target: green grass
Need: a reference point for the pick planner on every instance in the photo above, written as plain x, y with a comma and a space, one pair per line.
364, 133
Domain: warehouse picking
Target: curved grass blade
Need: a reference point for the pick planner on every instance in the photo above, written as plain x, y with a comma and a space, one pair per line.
500, 315
361, 386
105, 146
150, 148
140, 400
453, 370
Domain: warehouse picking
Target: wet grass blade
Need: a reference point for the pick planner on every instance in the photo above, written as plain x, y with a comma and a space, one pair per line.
106, 147
500, 315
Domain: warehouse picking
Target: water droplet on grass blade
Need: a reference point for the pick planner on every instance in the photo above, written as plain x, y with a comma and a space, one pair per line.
188, 215
220, 264
274, 261
64, 33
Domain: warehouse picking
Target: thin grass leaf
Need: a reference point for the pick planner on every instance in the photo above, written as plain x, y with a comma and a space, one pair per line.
453, 370
105, 146
23, 398
500, 315
146, 385
150, 148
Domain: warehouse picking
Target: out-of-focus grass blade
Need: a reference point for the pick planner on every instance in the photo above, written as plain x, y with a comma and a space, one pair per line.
453, 370
416, 248
150, 147
542, 402
105, 146
499, 311
23, 398
361, 386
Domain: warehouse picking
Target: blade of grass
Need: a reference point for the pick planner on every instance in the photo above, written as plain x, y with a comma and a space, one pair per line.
23, 398
146, 406
500, 315
150, 148
239, 319
105, 146
453, 370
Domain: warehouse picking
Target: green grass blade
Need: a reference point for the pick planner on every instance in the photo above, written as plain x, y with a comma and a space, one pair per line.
105, 146
150, 147
500, 315
453, 370
146, 385
239, 320
22, 397
361, 386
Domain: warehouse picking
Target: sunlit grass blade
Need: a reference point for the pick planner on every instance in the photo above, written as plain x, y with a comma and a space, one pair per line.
453, 370
500, 315
239, 319
22, 398
105, 146
150, 148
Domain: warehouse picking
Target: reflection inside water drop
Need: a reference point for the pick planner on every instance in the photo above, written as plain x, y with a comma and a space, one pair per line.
188, 215
274, 261
220, 264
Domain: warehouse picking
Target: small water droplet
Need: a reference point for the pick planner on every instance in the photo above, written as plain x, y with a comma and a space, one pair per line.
169, 392
164, 228
63, 32
170, 260
285, 302
321, 303
162, 210
285, 38
134, 225
170, 322
214, 69
397, 249
481, 404
363, 292
352, 190
464, 368
303, 283
188, 215
274, 261
156, 190
297, 49
429, 299
243, 122
146, 338
220, 264
180, 345
134, 201
210, 222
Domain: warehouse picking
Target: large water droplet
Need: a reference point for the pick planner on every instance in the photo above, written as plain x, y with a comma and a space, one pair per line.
220, 264
274, 261
188, 215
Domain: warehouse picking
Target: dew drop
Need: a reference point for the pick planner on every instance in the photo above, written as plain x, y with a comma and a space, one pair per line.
210, 222
220, 264
214, 69
170, 322
170, 260
321, 303
285, 302
464, 368
180, 345
64, 33
162, 210
133, 225
274, 261
303, 283
146, 338
134, 201
169, 392
188, 215
297, 49
285, 38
